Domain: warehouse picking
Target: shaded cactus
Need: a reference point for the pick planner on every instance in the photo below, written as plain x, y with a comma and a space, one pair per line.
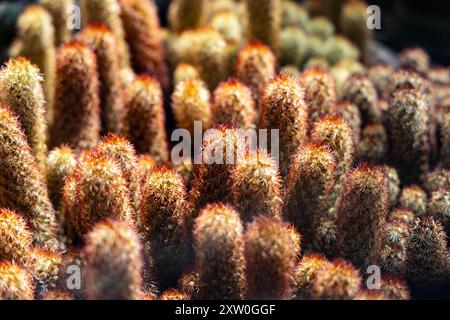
395, 240
60, 11
393, 185
380, 74
445, 140
439, 207
373, 146
416, 59
350, 113
15, 282
305, 275
415, 199
188, 284
338, 49
187, 14
321, 27
219, 252
394, 288
401, 215
293, 46
293, 14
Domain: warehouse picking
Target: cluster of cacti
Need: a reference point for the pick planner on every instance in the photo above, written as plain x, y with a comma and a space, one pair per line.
305, 165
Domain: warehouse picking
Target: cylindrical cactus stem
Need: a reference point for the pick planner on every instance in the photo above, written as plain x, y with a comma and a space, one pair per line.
293, 46
188, 284
373, 146
361, 91
113, 262
219, 252
77, 112
122, 151
445, 140
228, 24
408, 124
146, 163
163, 221
108, 13
439, 207
45, 270
416, 59
380, 74
264, 21
393, 185
112, 109
320, 93
146, 118
61, 162
173, 294
350, 113
271, 249
335, 133
437, 179
21, 90
413, 198
337, 280
255, 65
284, 108
427, 256
233, 104
15, 282
394, 288
36, 33
187, 14
56, 295
308, 185
362, 214
60, 11
185, 71
401, 215
305, 275
144, 38
22, 186
395, 239
94, 191
191, 101
256, 187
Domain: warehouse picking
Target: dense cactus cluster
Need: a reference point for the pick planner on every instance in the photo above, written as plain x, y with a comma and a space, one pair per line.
303, 165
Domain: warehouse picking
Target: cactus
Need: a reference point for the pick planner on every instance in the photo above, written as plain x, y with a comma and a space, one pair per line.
113, 262
408, 123
229, 26
60, 12
320, 93
401, 215
293, 46
144, 38
219, 252
15, 282
46, 269
416, 59
264, 21
163, 218
439, 207
291, 70
293, 15
361, 215
309, 183
233, 104
271, 249
94, 191
146, 118
322, 27
191, 102
380, 74
76, 98
22, 186
373, 146
393, 185
107, 12
255, 65
343, 70
305, 275
337, 280
187, 14
284, 108
325, 239
415, 199
103, 43
188, 284
370, 295
350, 113
37, 35
20, 88
173, 294
185, 71
445, 140
338, 48
394, 288
56, 295
146, 163
256, 187
395, 239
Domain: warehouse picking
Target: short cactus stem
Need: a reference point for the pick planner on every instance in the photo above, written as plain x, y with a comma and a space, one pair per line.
393, 185
413, 198
416, 59
373, 146
395, 240
45, 270
187, 14
394, 288
305, 275
188, 284
439, 207
60, 11
185, 71
15, 282
380, 74
350, 113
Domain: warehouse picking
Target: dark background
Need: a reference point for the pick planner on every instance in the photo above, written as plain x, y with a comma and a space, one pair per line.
404, 23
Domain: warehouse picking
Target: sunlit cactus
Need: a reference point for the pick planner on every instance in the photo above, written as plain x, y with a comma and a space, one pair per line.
408, 123
305, 275
146, 118
146, 163
21, 90
264, 21
187, 14
416, 59
37, 35
293, 46
335, 133
337, 280
393, 185
427, 258
191, 102
373, 146
15, 282
76, 98
22, 186
439, 207
321, 27
60, 11
350, 113
185, 71
188, 284
107, 12
316, 61
393, 253
256, 187
233, 104
284, 108
364, 203
54, 295
103, 43
343, 70
219, 252
144, 38
271, 249
291, 70
255, 65
163, 220
361, 91
308, 186
320, 93
113, 262
173, 294
413, 198
229, 26
380, 74
394, 288
94, 191
46, 264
